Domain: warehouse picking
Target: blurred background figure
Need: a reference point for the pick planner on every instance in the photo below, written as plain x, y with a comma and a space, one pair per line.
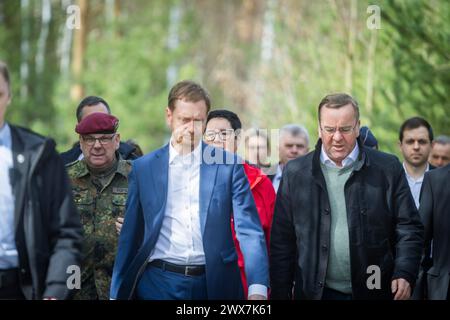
137, 149
257, 148
415, 139
367, 138
440, 151
294, 142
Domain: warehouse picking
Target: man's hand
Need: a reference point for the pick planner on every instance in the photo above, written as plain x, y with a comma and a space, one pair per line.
119, 223
401, 288
181, 133
256, 297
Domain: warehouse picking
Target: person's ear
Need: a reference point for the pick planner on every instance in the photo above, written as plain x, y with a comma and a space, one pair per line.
169, 117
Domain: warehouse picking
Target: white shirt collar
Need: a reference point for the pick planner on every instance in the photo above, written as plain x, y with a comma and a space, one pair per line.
420, 179
5, 135
173, 153
352, 157
279, 170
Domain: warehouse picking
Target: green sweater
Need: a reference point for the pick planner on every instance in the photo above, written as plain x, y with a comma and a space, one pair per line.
338, 272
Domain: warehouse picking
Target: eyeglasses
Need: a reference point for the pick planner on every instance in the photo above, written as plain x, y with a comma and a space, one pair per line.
224, 135
343, 130
90, 140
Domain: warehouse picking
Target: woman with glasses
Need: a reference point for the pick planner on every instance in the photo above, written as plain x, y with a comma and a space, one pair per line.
223, 130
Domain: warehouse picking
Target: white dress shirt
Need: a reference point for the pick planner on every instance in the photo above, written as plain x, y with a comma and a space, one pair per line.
415, 185
352, 157
8, 250
180, 238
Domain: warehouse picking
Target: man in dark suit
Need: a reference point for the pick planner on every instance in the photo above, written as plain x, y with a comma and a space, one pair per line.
435, 213
176, 241
87, 106
40, 230
415, 138
293, 143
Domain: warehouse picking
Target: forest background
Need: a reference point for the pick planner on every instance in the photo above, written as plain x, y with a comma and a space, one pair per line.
271, 61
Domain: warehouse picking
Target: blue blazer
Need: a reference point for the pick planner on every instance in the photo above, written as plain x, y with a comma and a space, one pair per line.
224, 190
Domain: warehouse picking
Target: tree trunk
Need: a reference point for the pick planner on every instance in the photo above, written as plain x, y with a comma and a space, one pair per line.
42, 42
173, 41
79, 49
350, 47
371, 70
24, 48
65, 44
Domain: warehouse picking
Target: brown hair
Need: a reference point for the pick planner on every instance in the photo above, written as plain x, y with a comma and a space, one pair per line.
5, 73
190, 91
338, 100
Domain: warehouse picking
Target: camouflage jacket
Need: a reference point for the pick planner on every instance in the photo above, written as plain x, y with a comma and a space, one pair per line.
99, 207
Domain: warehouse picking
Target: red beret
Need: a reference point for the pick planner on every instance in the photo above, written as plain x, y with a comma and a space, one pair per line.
97, 122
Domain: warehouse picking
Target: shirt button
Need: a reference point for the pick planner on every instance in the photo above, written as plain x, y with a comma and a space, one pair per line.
327, 211
320, 284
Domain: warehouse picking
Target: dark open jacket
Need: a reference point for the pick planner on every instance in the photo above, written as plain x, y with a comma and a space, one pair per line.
48, 228
384, 227
435, 214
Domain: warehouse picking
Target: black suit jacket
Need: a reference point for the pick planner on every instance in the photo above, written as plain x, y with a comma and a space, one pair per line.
435, 214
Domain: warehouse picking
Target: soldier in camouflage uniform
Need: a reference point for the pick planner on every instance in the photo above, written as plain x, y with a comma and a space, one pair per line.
100, 187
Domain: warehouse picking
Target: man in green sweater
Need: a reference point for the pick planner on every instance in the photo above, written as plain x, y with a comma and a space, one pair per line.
345, 225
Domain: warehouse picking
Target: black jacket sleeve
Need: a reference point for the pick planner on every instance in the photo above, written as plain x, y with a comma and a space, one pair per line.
409, 229
64, 227
282, 244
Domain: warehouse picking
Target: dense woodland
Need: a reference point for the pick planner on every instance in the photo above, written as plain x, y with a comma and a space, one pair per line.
269, 60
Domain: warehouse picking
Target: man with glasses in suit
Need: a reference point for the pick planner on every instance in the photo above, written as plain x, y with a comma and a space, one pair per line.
345, 225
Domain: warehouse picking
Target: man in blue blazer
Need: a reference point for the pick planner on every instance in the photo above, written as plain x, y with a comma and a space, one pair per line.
176, 240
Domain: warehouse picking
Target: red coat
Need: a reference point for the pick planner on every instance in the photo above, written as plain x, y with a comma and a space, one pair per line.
264, 196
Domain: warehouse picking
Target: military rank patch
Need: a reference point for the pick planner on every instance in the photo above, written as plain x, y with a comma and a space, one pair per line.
120, 190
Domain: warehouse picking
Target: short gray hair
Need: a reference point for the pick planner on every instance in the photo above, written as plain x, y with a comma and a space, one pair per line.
295, 130
442, 139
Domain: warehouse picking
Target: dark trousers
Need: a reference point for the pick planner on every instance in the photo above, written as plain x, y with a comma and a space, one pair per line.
10, 285
330, 294
158, 284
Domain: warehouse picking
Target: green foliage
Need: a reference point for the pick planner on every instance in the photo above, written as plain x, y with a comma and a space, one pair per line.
219, 44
